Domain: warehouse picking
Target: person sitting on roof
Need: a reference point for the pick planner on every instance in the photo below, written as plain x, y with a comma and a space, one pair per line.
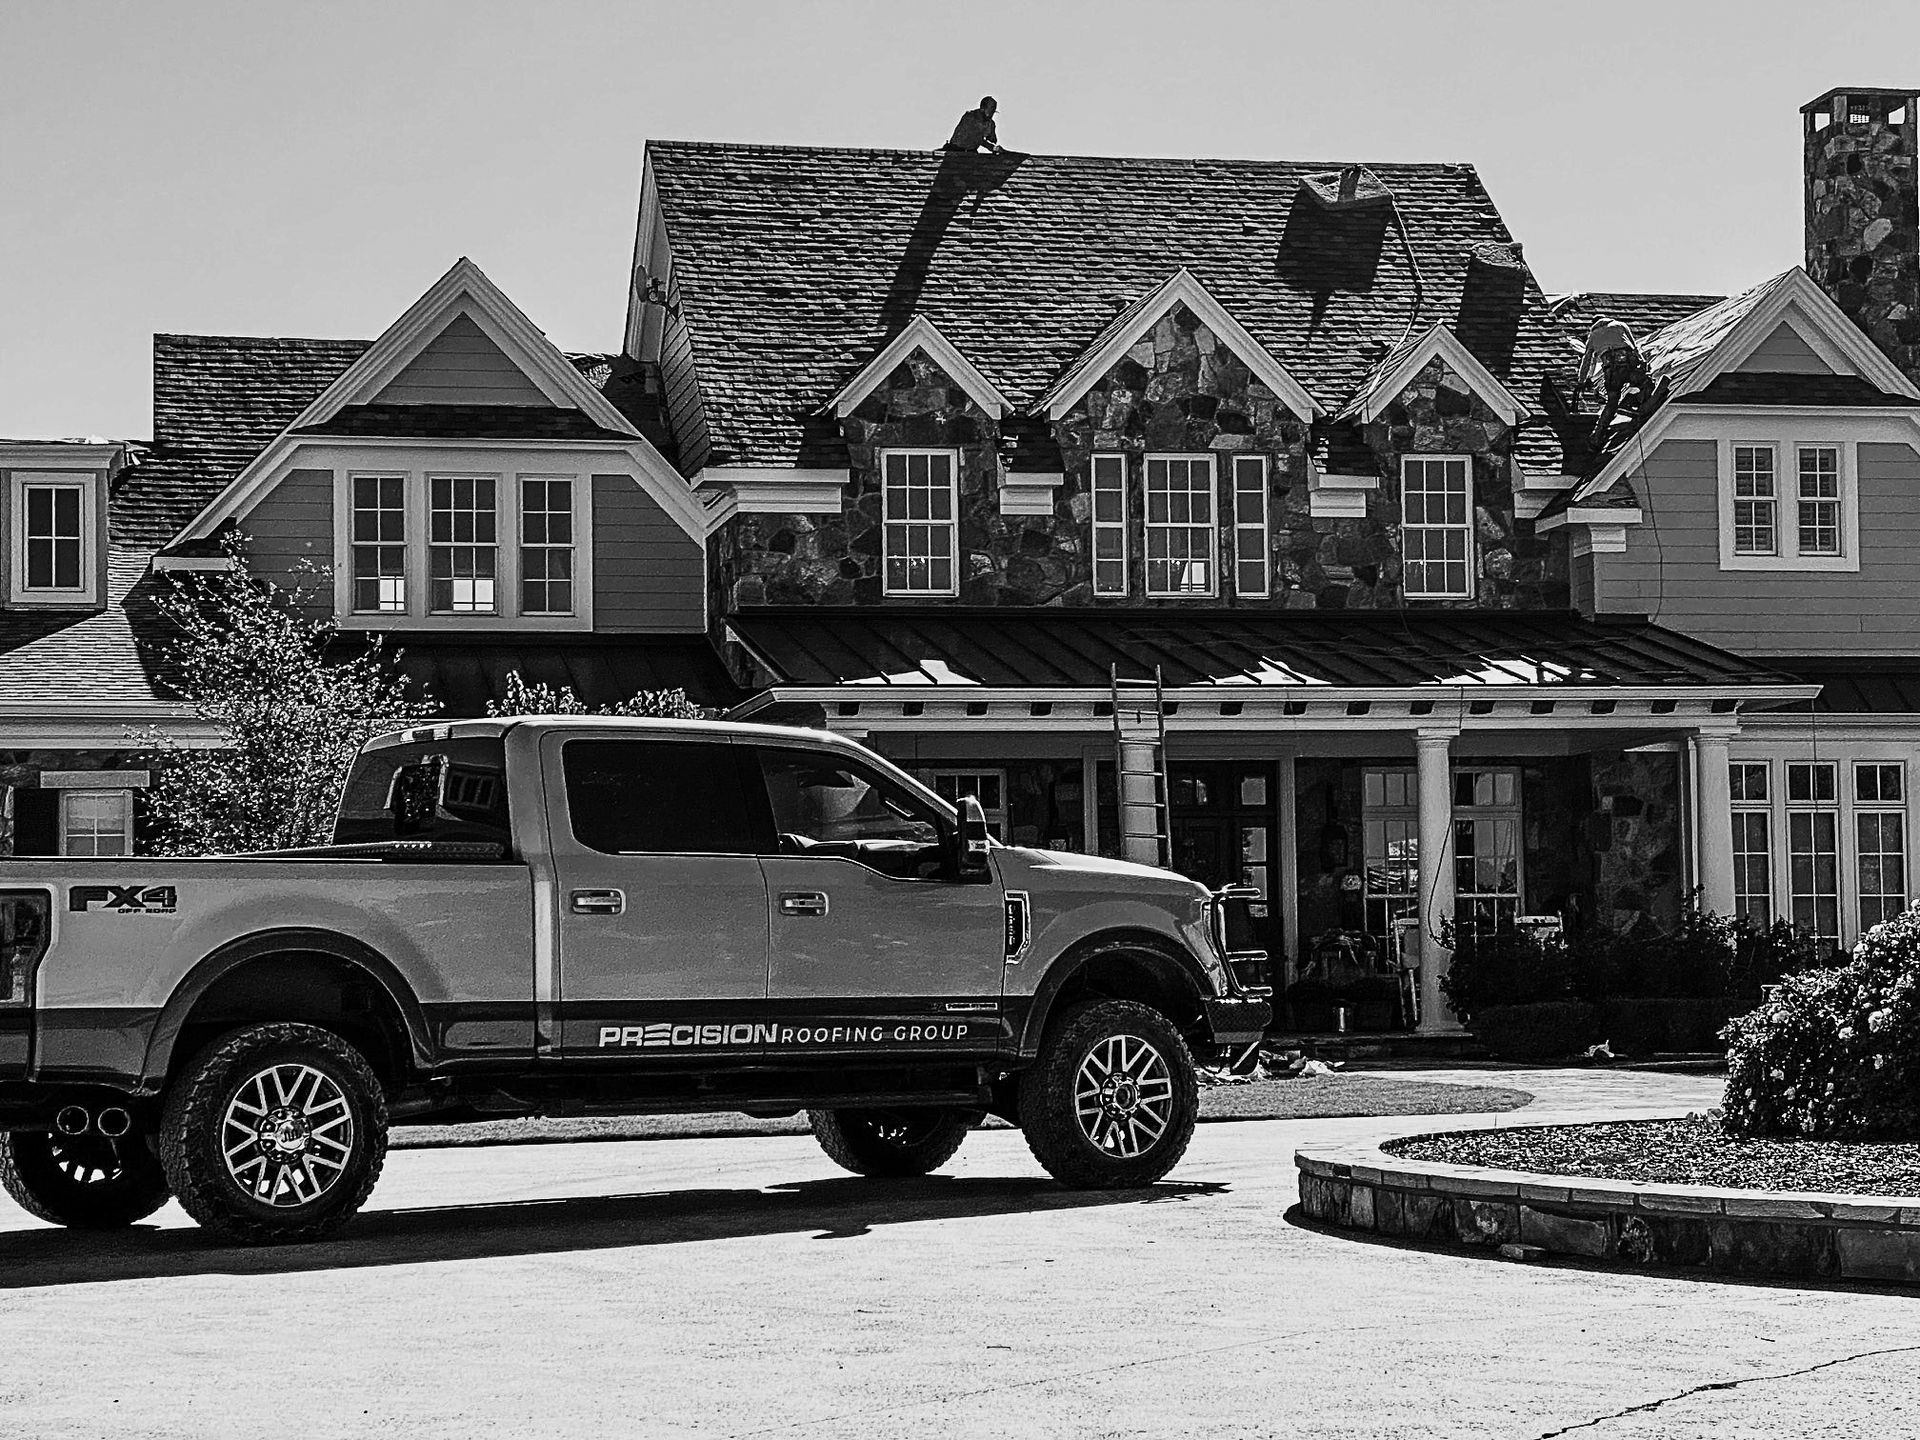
1613, 356
976, 130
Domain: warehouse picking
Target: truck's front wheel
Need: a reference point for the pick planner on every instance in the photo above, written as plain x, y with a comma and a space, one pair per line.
889, 1142
275, 1133
85, 1182
1111, 1101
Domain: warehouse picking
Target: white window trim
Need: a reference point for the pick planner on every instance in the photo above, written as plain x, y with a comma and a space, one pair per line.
1766, 808
998, 818
1148, 526
125, 796
506, 517
1470, 526
87, 482
887, 518
1265, 556
507, 615
1786, 500
1118, 461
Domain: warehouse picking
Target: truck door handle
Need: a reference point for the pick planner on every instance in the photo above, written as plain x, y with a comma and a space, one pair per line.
803, 902
598, 902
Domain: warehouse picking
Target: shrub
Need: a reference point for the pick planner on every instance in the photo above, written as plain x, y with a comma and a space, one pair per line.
1503, 967
1544, 1030
1835, 1053
1657, 1026
1703, 957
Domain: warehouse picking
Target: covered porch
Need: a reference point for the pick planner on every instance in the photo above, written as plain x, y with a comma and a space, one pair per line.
1378, 777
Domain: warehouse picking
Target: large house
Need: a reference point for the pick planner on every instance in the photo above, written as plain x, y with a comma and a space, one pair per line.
942, 450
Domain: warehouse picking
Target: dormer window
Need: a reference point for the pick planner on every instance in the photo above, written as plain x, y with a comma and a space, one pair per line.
920, 506
1436, 527
1182, 534
54, 536
1788, 504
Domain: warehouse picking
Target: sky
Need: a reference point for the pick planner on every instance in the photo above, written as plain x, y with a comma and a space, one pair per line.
263, 168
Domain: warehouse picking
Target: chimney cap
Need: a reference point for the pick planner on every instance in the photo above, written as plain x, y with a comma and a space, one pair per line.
1825, 102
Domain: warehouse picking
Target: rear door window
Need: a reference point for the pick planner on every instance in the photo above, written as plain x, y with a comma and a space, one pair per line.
657, 797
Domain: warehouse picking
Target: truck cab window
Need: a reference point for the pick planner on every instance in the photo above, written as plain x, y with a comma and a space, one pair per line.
432, 790
828, 807
657, 797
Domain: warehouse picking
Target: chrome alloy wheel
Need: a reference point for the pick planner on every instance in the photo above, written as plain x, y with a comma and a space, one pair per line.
1123, 1096
288, 1135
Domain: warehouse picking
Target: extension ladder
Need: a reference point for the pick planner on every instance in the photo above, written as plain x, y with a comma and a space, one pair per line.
1140, 768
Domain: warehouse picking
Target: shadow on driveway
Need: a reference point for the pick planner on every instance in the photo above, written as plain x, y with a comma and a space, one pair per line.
838, 1209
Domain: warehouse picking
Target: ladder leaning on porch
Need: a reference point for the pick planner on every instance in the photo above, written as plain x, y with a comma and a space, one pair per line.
1140, 768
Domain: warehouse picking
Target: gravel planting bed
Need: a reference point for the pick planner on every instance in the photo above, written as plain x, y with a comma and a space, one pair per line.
1693, 1151
1306, 1098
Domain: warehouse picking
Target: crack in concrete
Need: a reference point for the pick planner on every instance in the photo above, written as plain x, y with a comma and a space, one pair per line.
1652, 1405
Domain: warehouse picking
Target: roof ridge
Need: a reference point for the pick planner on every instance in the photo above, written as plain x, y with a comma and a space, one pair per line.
753, 147
195, 338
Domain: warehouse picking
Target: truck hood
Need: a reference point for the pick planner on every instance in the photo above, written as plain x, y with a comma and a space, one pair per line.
1133, 876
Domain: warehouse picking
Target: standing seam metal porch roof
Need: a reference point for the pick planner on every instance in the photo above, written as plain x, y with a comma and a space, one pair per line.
1073, 649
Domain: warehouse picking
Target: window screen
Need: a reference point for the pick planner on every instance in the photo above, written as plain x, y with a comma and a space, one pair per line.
656, 797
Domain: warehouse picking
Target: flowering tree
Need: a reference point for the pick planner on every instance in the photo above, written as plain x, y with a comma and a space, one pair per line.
539, 699
292, 703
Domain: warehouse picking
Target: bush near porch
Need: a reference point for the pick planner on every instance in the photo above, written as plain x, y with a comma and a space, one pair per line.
1834, 1054
1530, 999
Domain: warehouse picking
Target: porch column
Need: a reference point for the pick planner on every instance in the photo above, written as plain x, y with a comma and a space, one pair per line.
1433, 760
1713, 820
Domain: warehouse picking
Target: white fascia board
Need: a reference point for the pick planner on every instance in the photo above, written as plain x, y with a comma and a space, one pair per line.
1540, 482
1183, 288
1029, 492
164, 563
60, 455
1337, 504
332, 452
1591, 515
1439, 342
1826, 328
921, 333
465, 290
752, 490
96, 779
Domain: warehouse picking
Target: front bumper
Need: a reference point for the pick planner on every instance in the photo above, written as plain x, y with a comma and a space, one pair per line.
1238, 1019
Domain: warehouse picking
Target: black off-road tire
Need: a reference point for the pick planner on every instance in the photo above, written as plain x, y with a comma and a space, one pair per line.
890, 1143
197, 1118
1054, 1097
85, 1182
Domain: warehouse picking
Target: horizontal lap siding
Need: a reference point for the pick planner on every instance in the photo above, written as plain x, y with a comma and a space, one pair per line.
461, 366
648, 574
292, 528
1672, 572
1785, 351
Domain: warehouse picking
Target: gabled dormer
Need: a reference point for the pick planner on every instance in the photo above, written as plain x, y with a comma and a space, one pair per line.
53, 521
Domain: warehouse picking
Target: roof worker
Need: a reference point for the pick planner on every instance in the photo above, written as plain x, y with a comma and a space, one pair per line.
976, 129
1613, 357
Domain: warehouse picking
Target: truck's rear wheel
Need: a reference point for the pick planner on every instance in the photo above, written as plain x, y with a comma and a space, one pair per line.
1111, 1100
889, 1142
85, 1182
275, 1133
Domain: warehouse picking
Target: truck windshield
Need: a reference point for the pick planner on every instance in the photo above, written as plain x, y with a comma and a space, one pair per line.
430, 790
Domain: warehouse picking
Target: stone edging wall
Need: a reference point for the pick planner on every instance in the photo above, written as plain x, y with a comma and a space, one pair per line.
1625, 1223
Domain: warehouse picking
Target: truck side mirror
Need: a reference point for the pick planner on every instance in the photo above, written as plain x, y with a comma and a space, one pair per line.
973, 842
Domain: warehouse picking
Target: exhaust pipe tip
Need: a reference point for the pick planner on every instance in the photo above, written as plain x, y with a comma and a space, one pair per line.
71, 1120
113, 1122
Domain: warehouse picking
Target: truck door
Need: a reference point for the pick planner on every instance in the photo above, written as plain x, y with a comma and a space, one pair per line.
660, 904
874, 946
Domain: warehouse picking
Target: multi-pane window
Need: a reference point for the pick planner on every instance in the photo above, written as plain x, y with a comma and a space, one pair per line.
1181, 531
1390, 832
546, 547
1250, 566
1486, 847
920, 508
1752, 842
989, 787
1436, 529
1755, 503
1109, 524
1813, 850
96, 822
54, 532
379, 539
462, 545
1819, 500
1880, 839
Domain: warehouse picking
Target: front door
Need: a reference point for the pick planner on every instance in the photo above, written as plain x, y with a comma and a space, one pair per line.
661, 904
874, 947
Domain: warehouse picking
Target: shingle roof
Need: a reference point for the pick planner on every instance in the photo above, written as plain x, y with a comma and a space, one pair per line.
110, 657
1675, 352
1644, 312
1765, 387
466, 671
474, 422
794, 265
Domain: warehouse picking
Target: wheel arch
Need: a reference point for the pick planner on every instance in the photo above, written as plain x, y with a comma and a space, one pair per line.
393, 1018
1119, 965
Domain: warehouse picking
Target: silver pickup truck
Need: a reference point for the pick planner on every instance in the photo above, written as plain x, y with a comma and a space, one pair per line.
595, 916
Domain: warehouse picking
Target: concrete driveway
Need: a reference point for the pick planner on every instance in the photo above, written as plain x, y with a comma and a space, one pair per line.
744, 1287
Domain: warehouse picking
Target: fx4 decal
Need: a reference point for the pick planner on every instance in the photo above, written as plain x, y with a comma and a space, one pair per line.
125, 899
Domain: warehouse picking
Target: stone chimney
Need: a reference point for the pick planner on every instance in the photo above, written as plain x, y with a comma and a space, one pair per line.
1863, 213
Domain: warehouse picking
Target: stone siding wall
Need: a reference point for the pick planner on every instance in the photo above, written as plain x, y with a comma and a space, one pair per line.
1863, 226
1639, 880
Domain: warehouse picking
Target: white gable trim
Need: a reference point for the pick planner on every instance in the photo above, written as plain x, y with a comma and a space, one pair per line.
1439, 342
465, 290
921, 334
1814, 317
1180, 289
